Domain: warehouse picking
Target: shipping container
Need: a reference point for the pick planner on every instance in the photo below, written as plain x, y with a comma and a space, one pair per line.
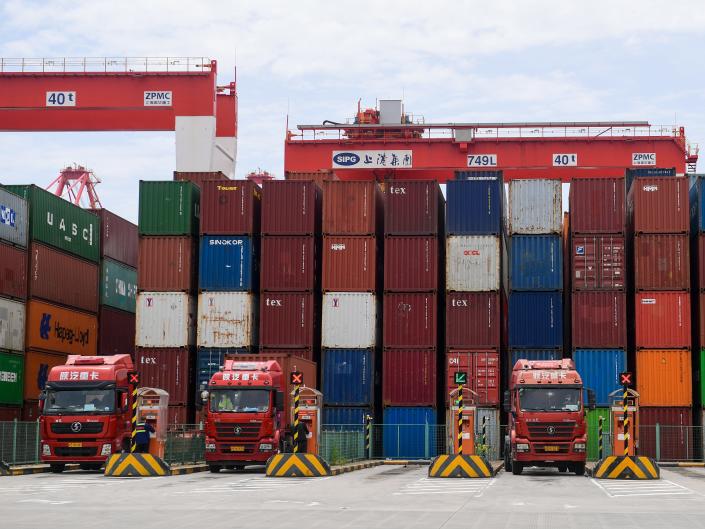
351, 208
663, 377
699, 258
289, 263
599, 320
473, 263
483, 375
116, 331
165, 319
598, 262
597, 205
474, 206
473, 320
12, 325
349, 263
167, 264
532, 354
535, 320
410, 264
177, 415
345, 415
30, 410
287, 319
230, 207
227, 319
535, 207
61, 278
593, 421
493, 431
59, 223
701, 317
228, 263
11, 379
662, 320
11, 413
13, 271
659, 205
697, 204
535, 262
118, 285
661, 262
200, 177
347, 377
349, 320
14, 222
302, 352
410, 320
169, 369
118, 238
410, 433
210, 360
291, 207
319, 177
61, 330
676, 437
413, 207
409, 377
168, 208
600, 369
36, 371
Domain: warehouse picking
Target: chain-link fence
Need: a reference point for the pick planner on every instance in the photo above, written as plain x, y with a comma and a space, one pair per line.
19, 442
185, 444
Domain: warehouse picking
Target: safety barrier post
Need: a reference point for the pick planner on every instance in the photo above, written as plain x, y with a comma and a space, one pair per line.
133, 445
297, 388
460, 419
368, 432
484, 433
658, 442
626, 420
600, 452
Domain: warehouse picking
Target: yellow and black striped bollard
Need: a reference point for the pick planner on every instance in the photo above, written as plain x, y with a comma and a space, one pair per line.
368, 431
297, 388
600, 451
484, 431
460, 419
133, 446
626, 421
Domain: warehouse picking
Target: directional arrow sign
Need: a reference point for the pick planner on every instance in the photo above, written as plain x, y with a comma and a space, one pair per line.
461, 377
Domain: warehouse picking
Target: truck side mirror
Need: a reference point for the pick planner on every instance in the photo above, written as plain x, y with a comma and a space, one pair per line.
507, 402
204, 396
591, 399
123, 401
279, 400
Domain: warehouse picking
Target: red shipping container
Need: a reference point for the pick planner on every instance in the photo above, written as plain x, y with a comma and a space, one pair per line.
118, 237
597, 205
13, 271
410, 320
180, 415
290, 207
663, 320
409, 377
198, 177
170, 369
62, 278
287, 320
288, 263
473, 320
349, 264
599, 320
30, 410
700, 259
303, 353
598, 263
413, 207
482, 368
701, 316
230, 207
116, 332
167, 264
661, 262
676, 429
10, 413
351, 208
320, 177
659, 205
410, 263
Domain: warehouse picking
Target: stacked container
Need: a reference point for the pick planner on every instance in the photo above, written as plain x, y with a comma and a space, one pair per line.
349, 337
697, 280
166, 278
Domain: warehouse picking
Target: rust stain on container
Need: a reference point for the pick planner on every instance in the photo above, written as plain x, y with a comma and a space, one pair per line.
351, 208
288, 263
413, 207
599, 320
13, 271
409, 377
659, 205
349, 263
661, 262
664, 377
597, 205
409, 320
290, 207
410, 263
230, 207
598, 262
663, 320
167, 264
473, 320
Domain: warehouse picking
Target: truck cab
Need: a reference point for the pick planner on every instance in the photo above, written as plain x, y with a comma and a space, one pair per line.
85, 411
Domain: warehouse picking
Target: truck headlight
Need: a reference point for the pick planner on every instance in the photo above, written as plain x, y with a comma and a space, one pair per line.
265, 446
210, 447
522, 447
106, 450
579, 447
46, 450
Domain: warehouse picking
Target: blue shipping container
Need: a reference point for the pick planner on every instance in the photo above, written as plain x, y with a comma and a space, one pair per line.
346, 376
227, 263
345, 415
209, 360
411, 433
535, 262
536, 320
697, 204
600, 369
474, 207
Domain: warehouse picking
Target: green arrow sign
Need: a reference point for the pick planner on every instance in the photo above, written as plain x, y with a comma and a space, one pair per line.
461, 377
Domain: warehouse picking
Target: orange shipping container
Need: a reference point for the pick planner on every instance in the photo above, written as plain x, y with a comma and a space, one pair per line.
663, 377
36, 370
60, 330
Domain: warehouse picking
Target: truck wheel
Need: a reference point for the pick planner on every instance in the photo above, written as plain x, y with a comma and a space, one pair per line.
579, 469
562, 468
517, 468
57, 468
214, 468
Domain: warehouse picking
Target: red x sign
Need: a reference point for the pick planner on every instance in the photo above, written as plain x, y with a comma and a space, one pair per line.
297, 378
133, 378
625, 378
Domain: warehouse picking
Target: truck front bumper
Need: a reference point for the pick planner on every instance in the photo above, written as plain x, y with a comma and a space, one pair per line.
232, 453
54, 451
548, 452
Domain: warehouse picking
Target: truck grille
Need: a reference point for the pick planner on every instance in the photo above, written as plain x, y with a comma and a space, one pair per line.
70, 427
65, 451
249, 448
551, 430
237, 430
540, 448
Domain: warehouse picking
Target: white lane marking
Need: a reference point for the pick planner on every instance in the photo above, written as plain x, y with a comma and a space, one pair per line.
50, 502
625, 489
253, 484
58, 485
474, 487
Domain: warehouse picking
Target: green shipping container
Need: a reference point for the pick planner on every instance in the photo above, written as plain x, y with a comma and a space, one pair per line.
593, 417
11, 378
118, 285
58, 223
168, 208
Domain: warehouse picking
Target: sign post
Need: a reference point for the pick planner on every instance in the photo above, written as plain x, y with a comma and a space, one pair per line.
297, 378
625, 379
461, 378
133, 379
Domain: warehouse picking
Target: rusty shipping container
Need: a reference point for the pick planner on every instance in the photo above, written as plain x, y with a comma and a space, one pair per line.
305, 353
483, 375
230, 208
662, 320
320, 177
661, 262
677, 442
118, 237
288, 263
62, 330
61, 278
167, 264
116, 332
199, 177
599, 320
663, 377
473, 263
165, 319
351, 208
288, 319
36, 371
598, 262
409, 320
10, 413
227, 319
168, 369
413, 207
535, 207
291, 207
409, 377
13, 271
659, 205
597, 205
349, 263
411, 264
473, 320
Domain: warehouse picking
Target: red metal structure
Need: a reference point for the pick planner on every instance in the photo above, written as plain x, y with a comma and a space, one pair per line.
73, 182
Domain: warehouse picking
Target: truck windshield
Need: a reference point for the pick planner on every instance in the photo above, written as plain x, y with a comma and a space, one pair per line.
73, 401
240, 400
549, 399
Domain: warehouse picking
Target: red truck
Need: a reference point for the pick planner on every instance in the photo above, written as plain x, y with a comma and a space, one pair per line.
547, 425
85, 411
247, 408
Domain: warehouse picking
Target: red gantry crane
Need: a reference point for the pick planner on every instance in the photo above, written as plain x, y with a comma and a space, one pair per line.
77, 185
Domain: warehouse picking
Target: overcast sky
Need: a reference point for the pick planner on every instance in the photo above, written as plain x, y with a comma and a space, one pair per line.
451, 61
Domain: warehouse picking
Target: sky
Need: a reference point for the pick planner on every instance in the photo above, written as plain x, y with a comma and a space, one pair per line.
449, 60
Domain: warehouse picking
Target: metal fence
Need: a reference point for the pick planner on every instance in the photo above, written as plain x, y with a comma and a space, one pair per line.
185, 444
19, 442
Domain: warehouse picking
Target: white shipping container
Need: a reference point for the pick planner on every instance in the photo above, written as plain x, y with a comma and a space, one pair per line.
226, 319
349, 320
12, 318
14, 223
165, 319
535, 206
473, 263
